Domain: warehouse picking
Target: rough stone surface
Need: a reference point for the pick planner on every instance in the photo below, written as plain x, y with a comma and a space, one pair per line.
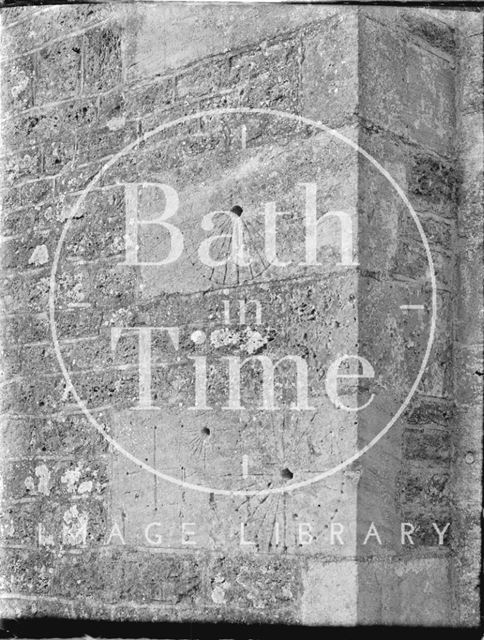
87, 533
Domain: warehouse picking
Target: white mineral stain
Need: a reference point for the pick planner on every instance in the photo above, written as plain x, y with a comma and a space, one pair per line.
44, 539
29, 483
198, 337
71, 477
224, 338
74, 527
218, 591
116, 123
253, 341
7, 528
85, 487
247, 340
43, 474
22, 82
40, 255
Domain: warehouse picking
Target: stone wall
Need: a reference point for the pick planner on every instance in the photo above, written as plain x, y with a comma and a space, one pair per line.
82, 89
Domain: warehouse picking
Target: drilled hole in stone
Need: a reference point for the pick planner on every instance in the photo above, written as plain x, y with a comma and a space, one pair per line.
205, 431
287, 474
237, 210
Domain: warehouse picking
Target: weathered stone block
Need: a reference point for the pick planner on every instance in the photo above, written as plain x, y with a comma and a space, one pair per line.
102, 66
143, 100
392, 592
58, 71
382, 81
431, 179
329, 71
471, 74
18, 197
329, 596
57, 155
17, 83
27, 571
431, 444
218, 31
253, 590
430, 28
431, 93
